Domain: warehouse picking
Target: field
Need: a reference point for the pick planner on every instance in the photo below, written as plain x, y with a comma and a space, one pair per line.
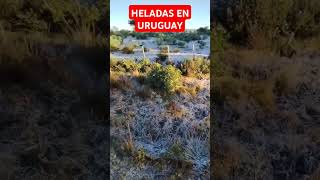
262, 80
160, 108
265, 90
53, 90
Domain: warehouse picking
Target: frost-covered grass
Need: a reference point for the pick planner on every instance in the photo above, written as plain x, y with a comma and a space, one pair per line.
154, 126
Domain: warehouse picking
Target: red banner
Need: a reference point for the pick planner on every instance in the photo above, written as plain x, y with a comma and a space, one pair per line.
159, 18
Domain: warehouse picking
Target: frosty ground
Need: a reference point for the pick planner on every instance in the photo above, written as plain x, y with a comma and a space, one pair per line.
176, 131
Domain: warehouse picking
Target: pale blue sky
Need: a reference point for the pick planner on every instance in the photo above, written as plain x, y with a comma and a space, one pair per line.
119, 10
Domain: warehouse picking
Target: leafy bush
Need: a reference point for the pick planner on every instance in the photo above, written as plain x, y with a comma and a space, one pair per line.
115, 42
128, 49
197, 66
130, 65
164, 78
145, 66
127, 65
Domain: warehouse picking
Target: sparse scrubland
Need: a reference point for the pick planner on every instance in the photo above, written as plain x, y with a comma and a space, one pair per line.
159, 119
265, 90
159, 106
53, 90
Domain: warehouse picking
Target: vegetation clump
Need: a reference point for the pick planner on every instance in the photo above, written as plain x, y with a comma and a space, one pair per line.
269, 25
195, 67
115, 42
163, 55
128, 49
165, 78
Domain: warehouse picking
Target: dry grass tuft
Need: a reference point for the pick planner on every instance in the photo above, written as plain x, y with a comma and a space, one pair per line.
120, 81
175, 109
144, 92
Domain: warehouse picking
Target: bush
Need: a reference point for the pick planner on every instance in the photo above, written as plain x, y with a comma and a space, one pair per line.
205, 31
265, 22
81, 22
127, 65
167, 79
163, 55
115, 42
62, 15
120, 81
128, 49
197, 66
145, 66
116, 65
130, 65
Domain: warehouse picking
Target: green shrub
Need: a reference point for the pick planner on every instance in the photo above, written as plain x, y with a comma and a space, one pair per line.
164, 78
162, 57
115, 42
130, 65
129, 49
145, 66
197, 66
126, 65
115, 65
